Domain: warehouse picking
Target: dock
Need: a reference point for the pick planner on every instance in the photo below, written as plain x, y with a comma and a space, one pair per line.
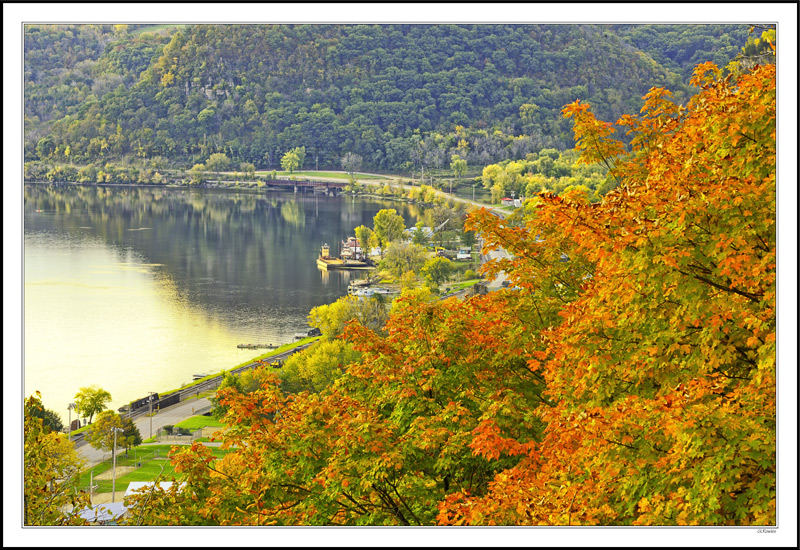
257, 346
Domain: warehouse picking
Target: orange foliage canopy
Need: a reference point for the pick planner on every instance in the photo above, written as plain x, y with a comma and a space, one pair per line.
629, 379
662, 365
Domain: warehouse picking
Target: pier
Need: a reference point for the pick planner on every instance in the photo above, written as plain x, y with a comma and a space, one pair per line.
257, 346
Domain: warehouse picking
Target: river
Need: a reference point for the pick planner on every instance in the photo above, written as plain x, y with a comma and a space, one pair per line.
136, 289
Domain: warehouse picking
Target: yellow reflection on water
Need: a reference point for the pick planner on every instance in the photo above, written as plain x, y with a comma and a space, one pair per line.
91, 319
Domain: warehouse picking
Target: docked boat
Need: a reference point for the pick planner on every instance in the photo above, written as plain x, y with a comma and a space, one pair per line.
349, 258
367, 292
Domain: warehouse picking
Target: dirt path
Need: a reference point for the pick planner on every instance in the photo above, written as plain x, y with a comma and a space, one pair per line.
121, 471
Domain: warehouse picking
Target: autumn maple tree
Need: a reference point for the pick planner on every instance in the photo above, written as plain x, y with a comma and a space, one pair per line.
661, 367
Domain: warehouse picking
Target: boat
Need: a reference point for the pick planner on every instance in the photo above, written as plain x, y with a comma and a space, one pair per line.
350, 259
368, 291
364, 292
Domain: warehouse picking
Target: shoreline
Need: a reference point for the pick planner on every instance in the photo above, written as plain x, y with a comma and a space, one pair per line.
240, 186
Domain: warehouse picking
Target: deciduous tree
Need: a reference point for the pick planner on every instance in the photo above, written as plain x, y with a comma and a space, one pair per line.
51, 473
290, 161
402, 257
318, 367
364, 235
437, 270
458, 166
388, 226
383, 444
91, 400
419, 236
100, 435
218, 162
351, 163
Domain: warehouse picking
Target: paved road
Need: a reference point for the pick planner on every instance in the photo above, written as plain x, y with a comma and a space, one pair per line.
171, 415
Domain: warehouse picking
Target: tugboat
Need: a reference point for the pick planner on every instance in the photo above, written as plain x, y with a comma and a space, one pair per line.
326, 261
351, 257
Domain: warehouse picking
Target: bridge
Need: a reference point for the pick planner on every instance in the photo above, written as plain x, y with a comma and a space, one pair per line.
329, 187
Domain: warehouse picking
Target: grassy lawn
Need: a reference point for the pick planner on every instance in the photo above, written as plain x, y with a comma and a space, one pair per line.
79, 430
454, 287
151, 458
200, 421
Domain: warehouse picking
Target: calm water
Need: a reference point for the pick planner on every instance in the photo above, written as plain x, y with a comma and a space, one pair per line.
135, 290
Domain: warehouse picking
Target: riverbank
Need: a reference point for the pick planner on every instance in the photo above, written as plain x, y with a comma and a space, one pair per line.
260, 184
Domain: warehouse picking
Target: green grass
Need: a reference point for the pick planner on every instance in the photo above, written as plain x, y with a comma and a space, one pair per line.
149, 470
462, 285
79, 430
198, 422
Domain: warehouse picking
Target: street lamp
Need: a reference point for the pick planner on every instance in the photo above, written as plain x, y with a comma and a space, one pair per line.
114, 464
92, 486
150, 399
69, 427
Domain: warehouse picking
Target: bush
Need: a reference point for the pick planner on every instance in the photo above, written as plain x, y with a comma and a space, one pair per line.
168, 429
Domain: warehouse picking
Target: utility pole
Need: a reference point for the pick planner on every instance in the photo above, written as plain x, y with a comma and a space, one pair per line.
114, 464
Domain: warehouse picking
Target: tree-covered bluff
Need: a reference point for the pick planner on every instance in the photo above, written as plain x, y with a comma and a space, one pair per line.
400, 96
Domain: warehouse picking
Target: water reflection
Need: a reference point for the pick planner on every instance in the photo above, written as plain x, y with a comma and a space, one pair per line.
132, 288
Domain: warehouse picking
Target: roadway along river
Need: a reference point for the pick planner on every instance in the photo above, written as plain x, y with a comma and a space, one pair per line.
149, 425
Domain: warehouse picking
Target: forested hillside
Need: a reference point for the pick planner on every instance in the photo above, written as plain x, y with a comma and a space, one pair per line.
401, 96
